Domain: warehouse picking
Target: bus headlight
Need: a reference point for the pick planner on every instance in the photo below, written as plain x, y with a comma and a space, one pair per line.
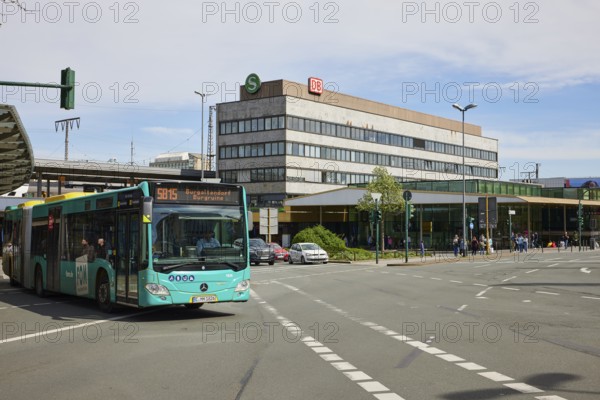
243, 286
157, 290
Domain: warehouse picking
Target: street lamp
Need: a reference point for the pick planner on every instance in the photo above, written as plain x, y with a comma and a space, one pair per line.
377, 198
464, 209
202, 139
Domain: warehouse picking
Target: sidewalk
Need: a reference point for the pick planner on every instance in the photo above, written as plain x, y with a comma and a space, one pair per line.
448, 257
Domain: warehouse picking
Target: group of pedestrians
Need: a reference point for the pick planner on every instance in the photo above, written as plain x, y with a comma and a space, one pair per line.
520, 242
477, 245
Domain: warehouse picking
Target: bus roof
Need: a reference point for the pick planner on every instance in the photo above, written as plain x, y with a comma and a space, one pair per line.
66, 196
30, 203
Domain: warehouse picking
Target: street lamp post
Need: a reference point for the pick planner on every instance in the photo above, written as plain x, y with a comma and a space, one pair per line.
377, 198
202, 138
464, 209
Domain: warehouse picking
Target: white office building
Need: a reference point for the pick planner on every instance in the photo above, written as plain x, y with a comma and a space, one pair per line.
283, 141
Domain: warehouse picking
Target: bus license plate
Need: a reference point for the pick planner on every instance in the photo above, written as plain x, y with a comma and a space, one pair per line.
211, 298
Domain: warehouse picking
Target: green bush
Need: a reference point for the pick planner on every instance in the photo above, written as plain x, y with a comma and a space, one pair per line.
321, 236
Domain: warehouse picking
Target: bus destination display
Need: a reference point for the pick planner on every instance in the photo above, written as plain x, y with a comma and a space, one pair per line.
194, 193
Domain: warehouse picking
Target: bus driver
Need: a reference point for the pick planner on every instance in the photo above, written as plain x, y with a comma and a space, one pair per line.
207, 241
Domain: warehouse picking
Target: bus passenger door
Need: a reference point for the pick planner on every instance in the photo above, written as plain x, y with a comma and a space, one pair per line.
53, 249
127, 258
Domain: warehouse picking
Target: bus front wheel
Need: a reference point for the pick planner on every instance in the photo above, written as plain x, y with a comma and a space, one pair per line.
103, 293
39, 282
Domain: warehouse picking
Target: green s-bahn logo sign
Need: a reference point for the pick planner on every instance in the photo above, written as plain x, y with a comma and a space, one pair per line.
252, 84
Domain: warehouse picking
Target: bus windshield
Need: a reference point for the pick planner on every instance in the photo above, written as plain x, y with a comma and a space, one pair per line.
197, 237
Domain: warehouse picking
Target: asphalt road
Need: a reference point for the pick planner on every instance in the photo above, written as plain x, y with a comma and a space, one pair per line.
510, 326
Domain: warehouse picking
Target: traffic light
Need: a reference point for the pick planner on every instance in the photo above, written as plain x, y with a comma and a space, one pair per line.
67, 95
377, 215
580, 215
411, 211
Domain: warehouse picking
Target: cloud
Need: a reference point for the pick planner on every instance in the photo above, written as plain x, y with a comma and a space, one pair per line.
165, 130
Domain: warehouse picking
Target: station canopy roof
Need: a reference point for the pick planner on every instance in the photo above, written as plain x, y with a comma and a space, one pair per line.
16, 155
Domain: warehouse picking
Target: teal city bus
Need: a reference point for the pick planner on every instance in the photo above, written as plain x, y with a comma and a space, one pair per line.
134, 246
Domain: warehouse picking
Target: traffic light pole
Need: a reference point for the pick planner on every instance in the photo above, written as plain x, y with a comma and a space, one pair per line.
406, 211
376, 235
67, 87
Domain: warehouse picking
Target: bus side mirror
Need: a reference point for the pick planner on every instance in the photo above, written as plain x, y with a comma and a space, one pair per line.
147, 210
250, 220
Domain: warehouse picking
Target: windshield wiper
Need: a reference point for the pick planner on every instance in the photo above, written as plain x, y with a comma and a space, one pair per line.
175, 266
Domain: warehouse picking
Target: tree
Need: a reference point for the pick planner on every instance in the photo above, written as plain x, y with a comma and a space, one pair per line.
321, 236
391, 196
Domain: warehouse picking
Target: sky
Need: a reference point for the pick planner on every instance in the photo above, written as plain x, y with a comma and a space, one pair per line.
532, 68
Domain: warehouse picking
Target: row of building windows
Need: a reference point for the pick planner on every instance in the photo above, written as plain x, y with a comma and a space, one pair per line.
252, 125
252, 150
349, 132
276, 174
362, 157
280, 174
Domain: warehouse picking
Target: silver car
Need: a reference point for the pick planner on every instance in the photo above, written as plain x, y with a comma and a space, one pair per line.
308, 253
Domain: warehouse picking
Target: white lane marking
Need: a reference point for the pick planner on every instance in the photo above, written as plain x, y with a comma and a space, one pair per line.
390, 333
471, 366
379, 328
357, 376
550, 398
523, 387
586, 270
417, 344
339, 364
542, 292
508, 279
436, 279
456, 281
321, 349
343, 366
450, 357
552, 265
373, 386
509, 288
496, 376
533, 270
417, 276
592, 298
480, 284
331, 357
387, 396
526, 301
482, 292
462, 307
432, 350
480, 266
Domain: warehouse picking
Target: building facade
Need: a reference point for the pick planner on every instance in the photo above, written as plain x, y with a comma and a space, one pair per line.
283, 141
183, 160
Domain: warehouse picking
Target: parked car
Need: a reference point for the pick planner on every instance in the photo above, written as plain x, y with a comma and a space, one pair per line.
280, 252
308, 253
261, 252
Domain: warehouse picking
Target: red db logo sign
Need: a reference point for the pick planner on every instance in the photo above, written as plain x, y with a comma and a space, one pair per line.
315, 86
